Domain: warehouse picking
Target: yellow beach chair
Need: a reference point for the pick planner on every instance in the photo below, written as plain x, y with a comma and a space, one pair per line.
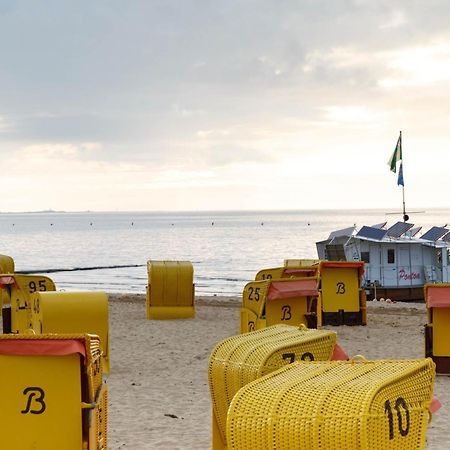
52, 393
300, 262
357, 404
170, 290
437, 330
18, 288
289, 271
72, 312
291, 301
343, 297
240, 359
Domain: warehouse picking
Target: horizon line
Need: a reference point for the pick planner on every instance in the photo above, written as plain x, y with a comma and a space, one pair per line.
387, 211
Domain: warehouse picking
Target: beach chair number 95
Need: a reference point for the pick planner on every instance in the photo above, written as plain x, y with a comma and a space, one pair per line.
253, 293
402, 412
40, 286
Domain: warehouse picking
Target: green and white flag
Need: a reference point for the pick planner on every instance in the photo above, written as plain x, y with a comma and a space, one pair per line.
397, 155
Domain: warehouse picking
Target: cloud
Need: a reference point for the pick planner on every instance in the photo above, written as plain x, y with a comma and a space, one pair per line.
117, 95
396, 19
355, 115
418, 66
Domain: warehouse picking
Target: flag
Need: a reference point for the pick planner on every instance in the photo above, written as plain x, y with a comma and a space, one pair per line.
397, 155
400, 176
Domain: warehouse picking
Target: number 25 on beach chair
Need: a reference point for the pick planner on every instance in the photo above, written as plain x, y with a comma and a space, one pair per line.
437, 331
52, 395
170, 290
72, 312
252, 314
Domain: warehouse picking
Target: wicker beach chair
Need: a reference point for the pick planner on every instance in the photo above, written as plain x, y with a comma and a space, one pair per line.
288, 271
6, 264
241, 359
291, 301
72, 312
18, 288
52, 393
170, 290
357, 404
437, 330
343, 297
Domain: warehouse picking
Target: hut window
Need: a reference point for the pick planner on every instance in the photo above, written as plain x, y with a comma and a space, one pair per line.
365, 256
391, 256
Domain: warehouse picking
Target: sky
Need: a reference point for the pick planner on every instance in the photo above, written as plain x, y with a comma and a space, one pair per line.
192, 105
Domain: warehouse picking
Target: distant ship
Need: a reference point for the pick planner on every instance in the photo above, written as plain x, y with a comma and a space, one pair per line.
397, 263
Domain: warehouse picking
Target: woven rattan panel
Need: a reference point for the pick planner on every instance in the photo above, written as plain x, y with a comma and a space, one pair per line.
241, 359
335, 405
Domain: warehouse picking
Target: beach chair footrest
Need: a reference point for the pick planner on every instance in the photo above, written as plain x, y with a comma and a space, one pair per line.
342, 318
442, 364
311, 320
6, 316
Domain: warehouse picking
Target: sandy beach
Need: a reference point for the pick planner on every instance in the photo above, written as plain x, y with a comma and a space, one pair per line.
158, 386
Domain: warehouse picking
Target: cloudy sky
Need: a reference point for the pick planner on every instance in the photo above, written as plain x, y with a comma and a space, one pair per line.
223, 104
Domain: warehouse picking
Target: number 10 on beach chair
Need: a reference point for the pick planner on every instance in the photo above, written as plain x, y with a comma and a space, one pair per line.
170, 290
52, 395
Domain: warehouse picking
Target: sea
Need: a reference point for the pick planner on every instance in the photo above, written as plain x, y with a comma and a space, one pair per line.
108, 251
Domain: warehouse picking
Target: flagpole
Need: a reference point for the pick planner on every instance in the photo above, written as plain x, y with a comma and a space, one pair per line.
405, 216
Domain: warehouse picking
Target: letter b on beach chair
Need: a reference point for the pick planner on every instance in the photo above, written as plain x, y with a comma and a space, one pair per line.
437, 330
72, 312
241, 359
52, 395
170, 290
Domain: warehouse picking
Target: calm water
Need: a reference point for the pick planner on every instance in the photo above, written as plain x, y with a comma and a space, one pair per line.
226, 248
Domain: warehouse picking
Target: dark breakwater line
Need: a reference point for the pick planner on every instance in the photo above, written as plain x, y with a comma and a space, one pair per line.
75, 269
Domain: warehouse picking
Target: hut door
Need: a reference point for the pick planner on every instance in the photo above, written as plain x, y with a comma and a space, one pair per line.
390, 267
374, 264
